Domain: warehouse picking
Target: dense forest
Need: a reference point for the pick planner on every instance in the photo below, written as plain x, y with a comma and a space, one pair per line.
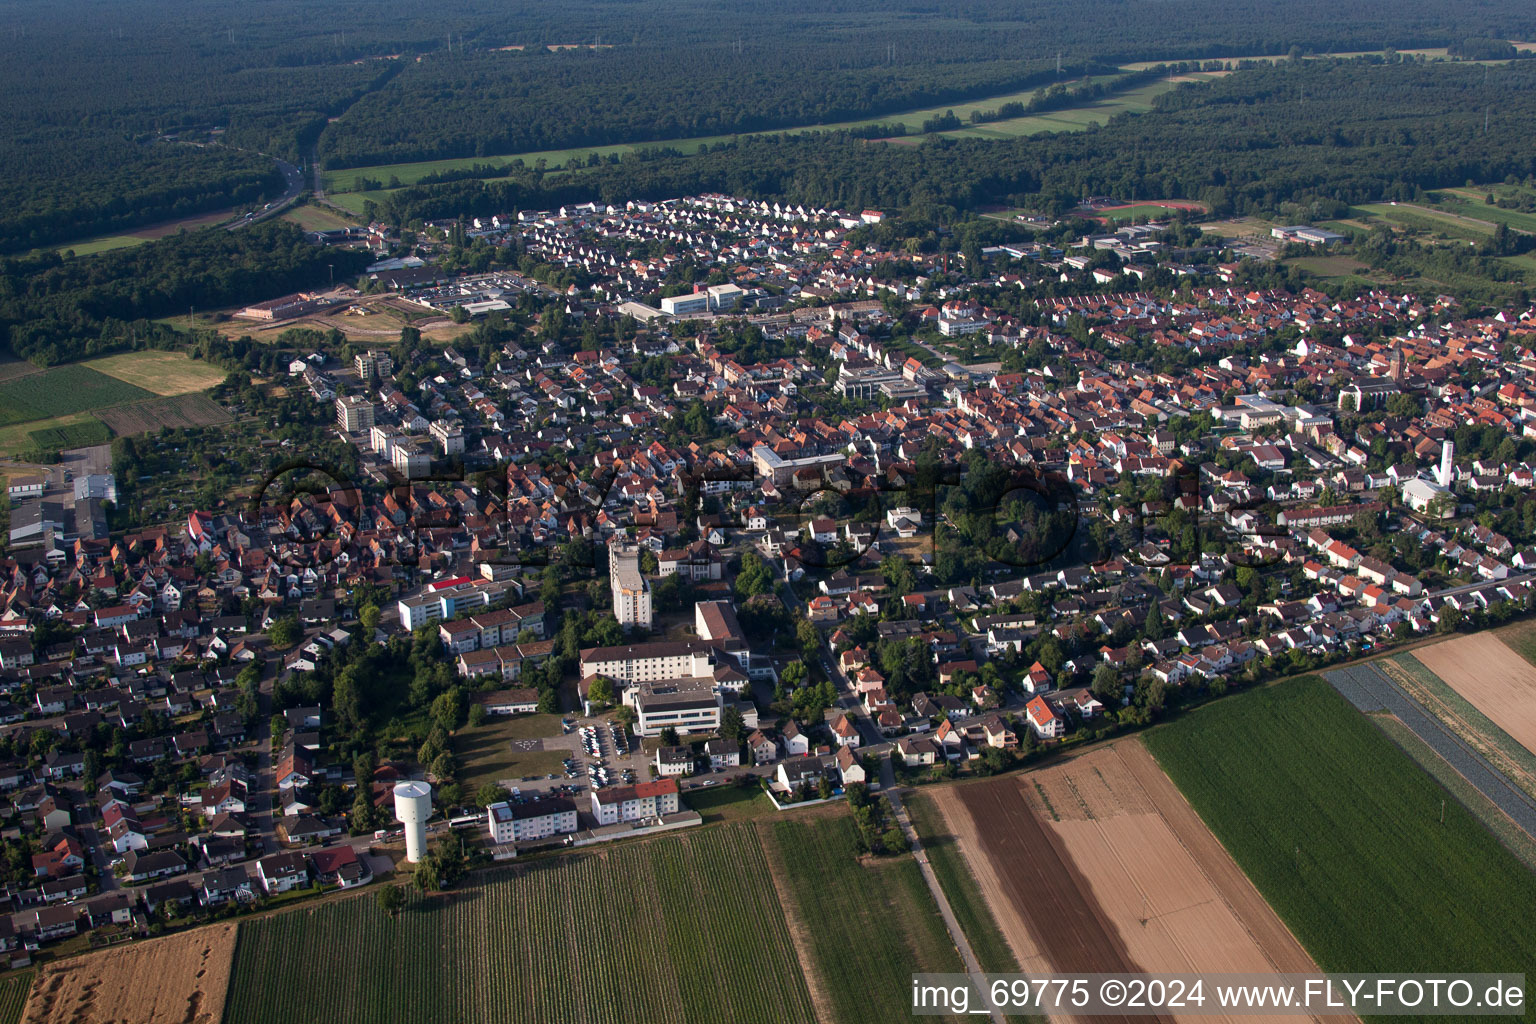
66, 184
485, 104
56, 309
82, 81
1296, 138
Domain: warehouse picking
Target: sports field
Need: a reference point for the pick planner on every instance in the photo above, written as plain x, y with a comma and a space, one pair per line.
160, 371
1343, 834
1154, 210
674, 929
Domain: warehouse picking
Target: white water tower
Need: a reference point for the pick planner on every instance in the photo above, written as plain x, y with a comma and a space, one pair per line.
413, 806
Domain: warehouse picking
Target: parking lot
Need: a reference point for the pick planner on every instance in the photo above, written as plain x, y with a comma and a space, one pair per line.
592, 757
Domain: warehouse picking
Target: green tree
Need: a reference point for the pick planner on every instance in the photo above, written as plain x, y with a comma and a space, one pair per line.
1106, 684
491, 793
600, 692
390, 898
450, 708
369, 616
285, 632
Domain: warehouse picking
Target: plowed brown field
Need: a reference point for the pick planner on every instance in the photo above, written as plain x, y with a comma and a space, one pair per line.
1493, 678
176, 980
1104, 867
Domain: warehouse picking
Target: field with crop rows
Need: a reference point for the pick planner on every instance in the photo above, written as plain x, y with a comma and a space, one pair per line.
960, 887
13, 995
62, 390
1341, 832
871, 925
76, 435
674, 929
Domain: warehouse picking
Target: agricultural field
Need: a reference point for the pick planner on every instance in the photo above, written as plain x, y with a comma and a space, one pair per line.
14, 988
867, 926
1075, 119
1520, 637
1426, 218
160, 371
959, 885
76, 435
195, 410
1496, 680
1107, 868
1331, 267
106, 243
1454, 706
62, 390
189, 972
17, 437
673, 929
317, 218
1339, 830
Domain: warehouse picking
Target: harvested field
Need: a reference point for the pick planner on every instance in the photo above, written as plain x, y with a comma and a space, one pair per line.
180, 411
176, 980
1496, 680
1111, 870
160, 372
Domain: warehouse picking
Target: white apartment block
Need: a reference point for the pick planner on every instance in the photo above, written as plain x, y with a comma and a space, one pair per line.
536, 819
634, 803
631, 590
665, 659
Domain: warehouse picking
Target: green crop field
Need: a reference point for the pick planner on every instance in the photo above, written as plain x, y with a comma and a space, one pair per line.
317, 218
14, 989
76, 435
871, 926
674, 929
63, 390
1424, 218
1342, 834
960, 888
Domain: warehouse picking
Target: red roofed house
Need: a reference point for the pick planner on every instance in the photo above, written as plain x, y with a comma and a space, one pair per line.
1045, 722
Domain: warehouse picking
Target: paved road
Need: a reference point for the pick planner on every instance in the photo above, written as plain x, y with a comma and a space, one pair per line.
293, 179
1369, 689
956, 933
1462, 588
